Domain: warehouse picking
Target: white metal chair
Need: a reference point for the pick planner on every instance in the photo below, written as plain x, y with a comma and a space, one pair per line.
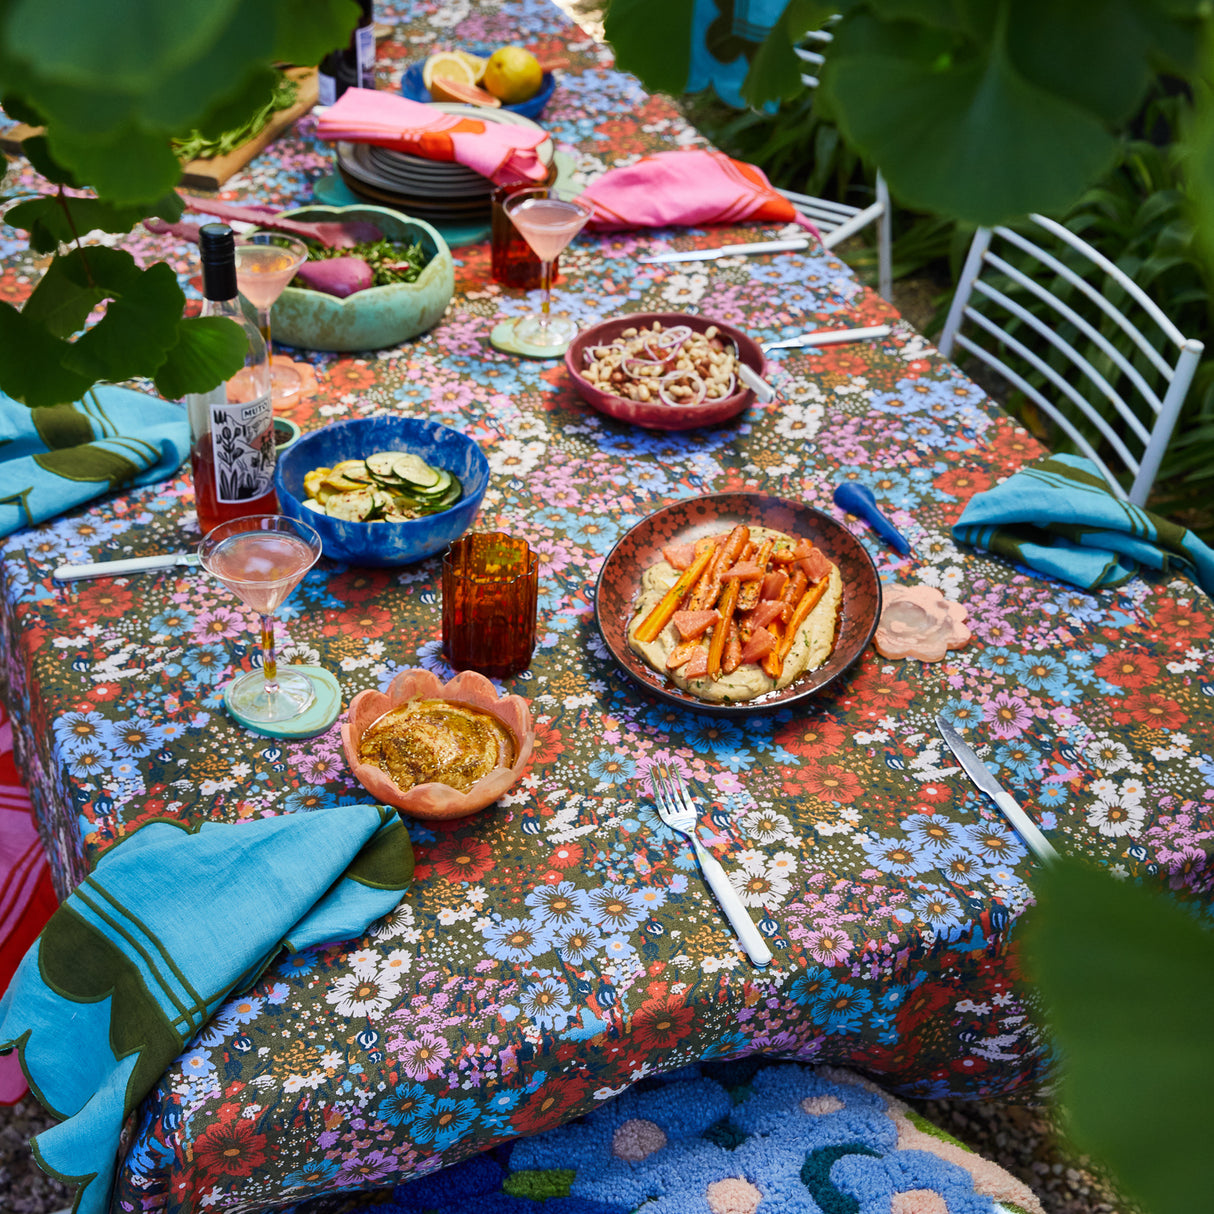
839, 220
1093, 348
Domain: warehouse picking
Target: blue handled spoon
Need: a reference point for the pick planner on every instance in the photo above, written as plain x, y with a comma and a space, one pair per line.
858, 499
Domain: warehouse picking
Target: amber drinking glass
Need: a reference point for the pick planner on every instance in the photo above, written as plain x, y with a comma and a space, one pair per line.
490, 589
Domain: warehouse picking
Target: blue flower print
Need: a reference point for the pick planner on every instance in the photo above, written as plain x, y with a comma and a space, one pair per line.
130, 739
516, 939
994, 843
405, 1102
207, 663
842, 1009
898, 856
1019, 758
558, 905
815, 984
499, 1107
312, 1175
172, 623
1053, 794
961, 714
616, 908
547, 1003
78, 726
613, 767
1045, 672
937, 908
196, 1063
933, 831
307, 797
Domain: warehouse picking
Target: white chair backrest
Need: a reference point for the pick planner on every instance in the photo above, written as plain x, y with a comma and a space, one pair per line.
839, 220
1123, 366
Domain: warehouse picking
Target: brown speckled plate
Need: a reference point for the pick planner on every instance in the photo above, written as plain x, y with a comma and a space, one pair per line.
686, 521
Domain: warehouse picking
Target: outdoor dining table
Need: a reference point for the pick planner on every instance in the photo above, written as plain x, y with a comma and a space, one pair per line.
559, 946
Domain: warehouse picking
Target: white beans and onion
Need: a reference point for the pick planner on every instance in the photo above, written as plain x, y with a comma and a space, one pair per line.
675, 366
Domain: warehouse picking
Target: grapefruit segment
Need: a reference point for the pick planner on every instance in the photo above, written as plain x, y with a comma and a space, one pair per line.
444, 88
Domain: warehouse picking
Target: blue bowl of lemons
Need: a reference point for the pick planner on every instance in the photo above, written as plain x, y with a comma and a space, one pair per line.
413, 86
359, 481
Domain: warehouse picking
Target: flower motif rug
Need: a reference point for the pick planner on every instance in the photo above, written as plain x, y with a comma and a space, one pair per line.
752, 1136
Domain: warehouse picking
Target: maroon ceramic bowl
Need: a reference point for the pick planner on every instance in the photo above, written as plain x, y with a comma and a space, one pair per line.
654, 415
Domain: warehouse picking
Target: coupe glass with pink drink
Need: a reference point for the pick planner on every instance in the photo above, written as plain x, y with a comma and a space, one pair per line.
265, 263
548, 220
261, 559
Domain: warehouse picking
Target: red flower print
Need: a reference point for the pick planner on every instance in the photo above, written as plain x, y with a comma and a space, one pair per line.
660, 1024
229, 1148
548, 746
357, 586
1128, 669
813, 738
1154, 711
553, 1104
881, 693
568, 855
370, 620
462, 859
830, 783
963, 482
351, 376
1180, 624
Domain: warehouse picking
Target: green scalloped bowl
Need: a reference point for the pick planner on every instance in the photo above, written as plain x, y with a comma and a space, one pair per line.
379, 316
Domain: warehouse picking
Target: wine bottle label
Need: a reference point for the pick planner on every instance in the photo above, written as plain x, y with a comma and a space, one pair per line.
242, 441
364, 52
326, 89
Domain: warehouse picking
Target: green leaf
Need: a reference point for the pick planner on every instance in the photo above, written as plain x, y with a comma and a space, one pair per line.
118, 46
128, 166
307, 30
19, 110
955, 128
1127, 976
652, 41
775, 71
64, 297
31, 369
42, 162
55, 220
209, 350
141, 318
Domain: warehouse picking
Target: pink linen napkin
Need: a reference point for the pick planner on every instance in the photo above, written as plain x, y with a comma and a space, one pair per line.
503, 153
686, 188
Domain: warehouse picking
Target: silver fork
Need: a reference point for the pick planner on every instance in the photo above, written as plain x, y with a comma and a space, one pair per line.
678, 811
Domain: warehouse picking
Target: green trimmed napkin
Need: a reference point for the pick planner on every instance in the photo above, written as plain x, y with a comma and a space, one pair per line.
60, 457
1060, 517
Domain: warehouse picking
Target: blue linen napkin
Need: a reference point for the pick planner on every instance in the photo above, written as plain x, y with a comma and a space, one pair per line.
56, 458
1059, 517
145, 949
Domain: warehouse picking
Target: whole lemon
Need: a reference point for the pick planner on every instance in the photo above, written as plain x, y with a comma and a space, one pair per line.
513, 75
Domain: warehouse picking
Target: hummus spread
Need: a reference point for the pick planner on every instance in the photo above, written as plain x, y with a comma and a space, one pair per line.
810, 648
436, 742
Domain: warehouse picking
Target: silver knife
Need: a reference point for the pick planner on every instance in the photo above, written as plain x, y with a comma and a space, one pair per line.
133, 564
978, 771
730, 250
827, 337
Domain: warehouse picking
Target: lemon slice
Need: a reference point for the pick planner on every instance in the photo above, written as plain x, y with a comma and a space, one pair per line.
450, 64
475, 62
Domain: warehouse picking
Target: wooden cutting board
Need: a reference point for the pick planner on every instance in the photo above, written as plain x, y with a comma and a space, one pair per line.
211, 174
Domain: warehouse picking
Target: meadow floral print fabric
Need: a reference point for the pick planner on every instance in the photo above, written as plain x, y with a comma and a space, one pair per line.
561, 946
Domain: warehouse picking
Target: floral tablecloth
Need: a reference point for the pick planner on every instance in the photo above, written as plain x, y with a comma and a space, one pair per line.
560, 946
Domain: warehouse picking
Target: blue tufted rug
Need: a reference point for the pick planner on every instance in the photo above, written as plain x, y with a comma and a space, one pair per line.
753, 1136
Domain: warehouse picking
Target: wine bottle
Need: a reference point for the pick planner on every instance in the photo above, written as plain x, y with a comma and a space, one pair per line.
352, 66
232, 426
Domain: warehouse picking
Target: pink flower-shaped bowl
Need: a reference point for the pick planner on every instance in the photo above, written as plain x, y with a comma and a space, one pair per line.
438, 800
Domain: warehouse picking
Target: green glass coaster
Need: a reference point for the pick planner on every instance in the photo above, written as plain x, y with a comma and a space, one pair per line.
502, 338
316, 718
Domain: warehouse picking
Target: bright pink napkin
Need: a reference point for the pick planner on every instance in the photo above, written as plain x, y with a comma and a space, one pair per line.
686, 188
503, 153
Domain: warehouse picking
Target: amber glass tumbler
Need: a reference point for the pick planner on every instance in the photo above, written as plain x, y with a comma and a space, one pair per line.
490, 588
512, 262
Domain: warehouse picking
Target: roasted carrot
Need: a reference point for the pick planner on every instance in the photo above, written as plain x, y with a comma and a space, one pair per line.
732, 657
748, 596
659, 617
706, 590
729, 600
773, 664
809, 600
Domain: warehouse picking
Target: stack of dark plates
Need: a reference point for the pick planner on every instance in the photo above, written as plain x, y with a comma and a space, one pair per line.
438, 191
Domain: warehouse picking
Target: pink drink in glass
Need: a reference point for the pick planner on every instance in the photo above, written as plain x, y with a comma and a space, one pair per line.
548, 224
265, 263
261, 567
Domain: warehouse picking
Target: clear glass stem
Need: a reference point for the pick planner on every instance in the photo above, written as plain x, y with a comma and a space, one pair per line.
263, 327
545, 292
269, 662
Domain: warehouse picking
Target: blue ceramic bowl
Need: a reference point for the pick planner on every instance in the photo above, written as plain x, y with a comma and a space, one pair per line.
383, 543
413, 86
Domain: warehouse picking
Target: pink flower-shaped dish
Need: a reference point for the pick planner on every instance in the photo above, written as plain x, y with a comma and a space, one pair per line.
919, 622
438, 800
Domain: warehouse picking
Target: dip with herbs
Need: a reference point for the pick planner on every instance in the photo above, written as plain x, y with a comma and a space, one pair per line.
436, 742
